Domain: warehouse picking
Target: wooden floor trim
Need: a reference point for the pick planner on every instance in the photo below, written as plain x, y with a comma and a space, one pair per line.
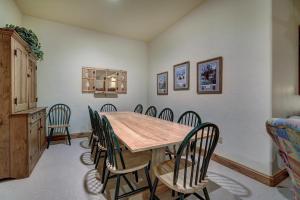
258, 176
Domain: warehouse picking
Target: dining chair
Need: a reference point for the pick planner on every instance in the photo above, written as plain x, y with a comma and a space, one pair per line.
151, 111
101, 149
108, 108
138, 108
120, 163
189, 118
94, 137
59, 121
166, 114
91, 114
187, 176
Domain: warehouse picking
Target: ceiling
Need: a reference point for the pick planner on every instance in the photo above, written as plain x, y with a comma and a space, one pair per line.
137, 19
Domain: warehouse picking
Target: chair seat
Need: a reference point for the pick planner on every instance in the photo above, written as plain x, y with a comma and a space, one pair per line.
165, 173
133, 162
59, 126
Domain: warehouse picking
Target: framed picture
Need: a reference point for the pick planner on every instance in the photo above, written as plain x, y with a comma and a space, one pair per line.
162, 83
181, 76
209, 76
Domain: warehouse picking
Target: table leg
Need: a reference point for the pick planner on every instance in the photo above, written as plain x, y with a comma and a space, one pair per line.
158, 156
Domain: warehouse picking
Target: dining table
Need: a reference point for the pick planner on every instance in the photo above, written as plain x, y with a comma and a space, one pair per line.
140, 132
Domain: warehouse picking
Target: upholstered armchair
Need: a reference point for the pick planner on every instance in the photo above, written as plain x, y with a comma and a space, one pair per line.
285, 133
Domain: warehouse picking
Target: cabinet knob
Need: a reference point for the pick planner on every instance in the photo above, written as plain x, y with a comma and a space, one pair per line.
1, 121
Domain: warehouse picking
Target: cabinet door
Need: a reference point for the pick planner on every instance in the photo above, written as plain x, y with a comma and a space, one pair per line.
111, 81
19, 78
88, 80
122, 82
32, 94
34, 142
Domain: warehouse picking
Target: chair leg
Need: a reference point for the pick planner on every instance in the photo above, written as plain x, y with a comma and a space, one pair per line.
69, 137
136, 176
154, 189
117, 187
105, 181
173, 193
91, 138
96, 154
206, 194
181, 196
93, 146
50, 137
104, 167
148, 178
97, 158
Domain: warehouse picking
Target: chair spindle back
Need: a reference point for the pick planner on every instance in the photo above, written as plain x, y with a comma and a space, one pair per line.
138, 108
59, 114
151, 111
189, 118
194, 172
108, 108
166, 114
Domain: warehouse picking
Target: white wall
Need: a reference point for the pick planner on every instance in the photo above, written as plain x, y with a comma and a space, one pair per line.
9, 13
67, 49
240, 31
286, 19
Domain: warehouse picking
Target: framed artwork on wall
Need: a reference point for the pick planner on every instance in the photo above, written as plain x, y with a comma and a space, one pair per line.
209, 76
162, 83
181, 76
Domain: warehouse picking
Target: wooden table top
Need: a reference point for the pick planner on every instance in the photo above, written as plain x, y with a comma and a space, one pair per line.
140, 132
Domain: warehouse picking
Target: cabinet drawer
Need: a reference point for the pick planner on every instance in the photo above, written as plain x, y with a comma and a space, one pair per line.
36, 116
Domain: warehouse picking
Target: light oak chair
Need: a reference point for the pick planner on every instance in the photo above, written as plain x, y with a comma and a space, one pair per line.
120, 163
187, 176
108, 108
59, 121
151, 111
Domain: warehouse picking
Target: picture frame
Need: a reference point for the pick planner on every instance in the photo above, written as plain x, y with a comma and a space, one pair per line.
209, 76
162, 83
181, 76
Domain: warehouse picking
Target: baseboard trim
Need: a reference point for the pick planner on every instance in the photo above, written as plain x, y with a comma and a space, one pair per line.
258, 176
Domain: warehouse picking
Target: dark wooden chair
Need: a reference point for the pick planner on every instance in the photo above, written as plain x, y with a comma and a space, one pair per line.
189, 118
189, 176
58, 121
166, 114
120, 163
108, 108
151, 111
94, 137
138, 108
91, 114
101, 149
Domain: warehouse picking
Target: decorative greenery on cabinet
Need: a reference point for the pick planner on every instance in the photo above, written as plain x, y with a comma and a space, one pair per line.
30, 37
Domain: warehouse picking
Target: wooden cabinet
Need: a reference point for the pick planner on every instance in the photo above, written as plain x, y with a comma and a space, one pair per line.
104, 81
28, 141
22, 124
